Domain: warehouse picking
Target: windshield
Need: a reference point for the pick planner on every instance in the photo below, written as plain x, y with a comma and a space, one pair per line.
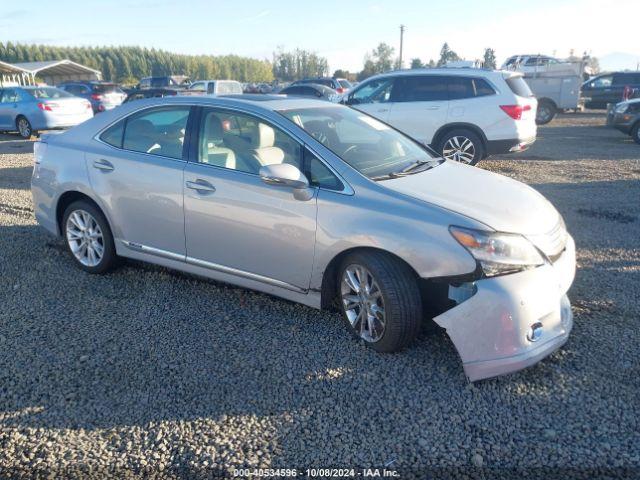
48, 92
368, 145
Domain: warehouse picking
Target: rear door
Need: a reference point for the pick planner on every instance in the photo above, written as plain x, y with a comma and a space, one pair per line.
419, 105
137, 171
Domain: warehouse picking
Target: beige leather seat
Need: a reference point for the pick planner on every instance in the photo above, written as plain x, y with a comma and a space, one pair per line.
263, 140
212, 151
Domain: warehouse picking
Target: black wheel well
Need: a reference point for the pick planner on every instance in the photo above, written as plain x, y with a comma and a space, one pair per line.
329, 289
458, 126
66, 199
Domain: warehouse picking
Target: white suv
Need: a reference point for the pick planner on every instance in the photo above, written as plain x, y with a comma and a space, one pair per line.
464, 114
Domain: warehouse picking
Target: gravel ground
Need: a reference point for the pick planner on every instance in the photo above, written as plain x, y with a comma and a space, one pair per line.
149, 371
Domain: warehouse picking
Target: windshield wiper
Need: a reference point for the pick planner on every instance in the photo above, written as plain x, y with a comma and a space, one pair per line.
410, 169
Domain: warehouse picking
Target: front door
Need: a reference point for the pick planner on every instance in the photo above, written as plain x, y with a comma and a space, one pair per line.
138, 174
374, 98
420, 106
8, 108
236, 223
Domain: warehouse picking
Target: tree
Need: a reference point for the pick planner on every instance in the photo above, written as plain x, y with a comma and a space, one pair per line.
298, 64
341, 74
416, 63
382, 57
489, 58
447, 55
368, 70
594, 65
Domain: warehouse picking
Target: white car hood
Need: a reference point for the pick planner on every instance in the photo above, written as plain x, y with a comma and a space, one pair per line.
499, 202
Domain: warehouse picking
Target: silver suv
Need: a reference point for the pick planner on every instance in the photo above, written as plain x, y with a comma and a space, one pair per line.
320, 204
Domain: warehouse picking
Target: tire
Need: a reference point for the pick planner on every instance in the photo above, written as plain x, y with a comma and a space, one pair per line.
84, 213
635, 133
461, 145
393, 305
545, 113
24, 127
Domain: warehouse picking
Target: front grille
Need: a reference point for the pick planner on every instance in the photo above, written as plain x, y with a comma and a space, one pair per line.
552, 243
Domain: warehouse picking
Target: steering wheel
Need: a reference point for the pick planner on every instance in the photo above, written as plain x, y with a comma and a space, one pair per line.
351, 148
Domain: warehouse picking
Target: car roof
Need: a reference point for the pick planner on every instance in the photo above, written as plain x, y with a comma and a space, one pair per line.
460, 72
268, 102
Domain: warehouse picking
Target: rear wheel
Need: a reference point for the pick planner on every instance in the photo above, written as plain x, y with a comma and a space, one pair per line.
24, 127
635, 133
380, 300
463, 146
545, 113
88, 237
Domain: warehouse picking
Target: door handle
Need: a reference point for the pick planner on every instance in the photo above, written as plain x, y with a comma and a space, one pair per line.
103, 165
382, 110
201, 186
433, 107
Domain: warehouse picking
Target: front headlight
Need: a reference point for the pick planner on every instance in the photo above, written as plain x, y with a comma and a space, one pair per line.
621, 108
498, 253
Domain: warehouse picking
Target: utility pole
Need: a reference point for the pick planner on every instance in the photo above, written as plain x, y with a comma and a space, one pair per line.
402, 29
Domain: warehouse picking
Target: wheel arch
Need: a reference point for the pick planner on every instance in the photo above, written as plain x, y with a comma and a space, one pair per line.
459, 126
328, 290
66, 199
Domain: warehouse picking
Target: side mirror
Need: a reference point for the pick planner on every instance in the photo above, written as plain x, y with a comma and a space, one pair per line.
284, 174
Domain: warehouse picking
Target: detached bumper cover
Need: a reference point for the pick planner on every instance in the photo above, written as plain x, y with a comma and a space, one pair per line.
490, 330
496, 147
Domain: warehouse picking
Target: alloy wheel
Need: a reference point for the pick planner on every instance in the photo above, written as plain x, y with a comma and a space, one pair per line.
363, 303
85, 238
460, 149
24, 128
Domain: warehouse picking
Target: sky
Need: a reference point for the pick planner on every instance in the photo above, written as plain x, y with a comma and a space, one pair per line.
342, 31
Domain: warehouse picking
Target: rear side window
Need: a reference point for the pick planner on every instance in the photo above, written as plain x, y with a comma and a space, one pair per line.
519, 87
159, 131
467, 87
422, 88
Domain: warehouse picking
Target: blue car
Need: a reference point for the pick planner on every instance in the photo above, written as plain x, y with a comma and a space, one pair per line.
29, 109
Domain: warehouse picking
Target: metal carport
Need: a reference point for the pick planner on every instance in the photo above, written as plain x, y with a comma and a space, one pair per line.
14, 75
58, 71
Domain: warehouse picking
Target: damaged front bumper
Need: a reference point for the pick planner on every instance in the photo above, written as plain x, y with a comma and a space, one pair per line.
512, 321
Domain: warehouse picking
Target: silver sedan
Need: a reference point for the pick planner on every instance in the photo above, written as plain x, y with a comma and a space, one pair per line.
319, 204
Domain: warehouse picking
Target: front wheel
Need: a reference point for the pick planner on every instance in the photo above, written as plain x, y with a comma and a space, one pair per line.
24, 127
380, 300
463, 146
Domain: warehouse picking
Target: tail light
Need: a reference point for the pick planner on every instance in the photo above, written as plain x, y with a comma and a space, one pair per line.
340, 90
96, 97
515, 111
47, 107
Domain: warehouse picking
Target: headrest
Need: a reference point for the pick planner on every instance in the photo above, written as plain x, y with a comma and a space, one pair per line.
140, 128
213, 129
263, 136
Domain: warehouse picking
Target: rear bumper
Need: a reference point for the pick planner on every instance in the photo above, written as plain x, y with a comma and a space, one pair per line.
495, 147
491, 329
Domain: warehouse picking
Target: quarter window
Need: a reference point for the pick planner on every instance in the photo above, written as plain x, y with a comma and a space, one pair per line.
319, 174
158, 131
243, 142
467, 87
113, 134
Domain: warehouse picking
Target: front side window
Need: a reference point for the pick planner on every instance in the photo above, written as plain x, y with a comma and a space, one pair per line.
602, 82
243, 142
423, 88
159, 131
199, 87
368, 145
374, 91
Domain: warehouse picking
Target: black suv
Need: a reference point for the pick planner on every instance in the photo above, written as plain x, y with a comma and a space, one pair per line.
608, 88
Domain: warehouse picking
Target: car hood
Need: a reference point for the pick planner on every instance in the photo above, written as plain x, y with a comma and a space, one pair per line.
499, 202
